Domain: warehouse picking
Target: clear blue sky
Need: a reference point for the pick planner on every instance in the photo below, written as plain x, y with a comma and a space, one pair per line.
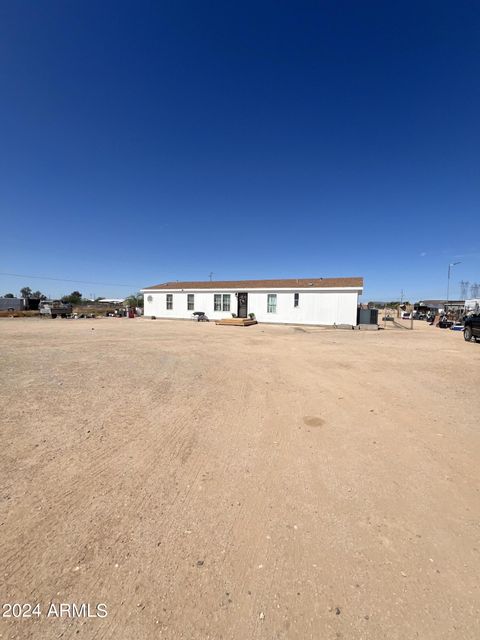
151, 141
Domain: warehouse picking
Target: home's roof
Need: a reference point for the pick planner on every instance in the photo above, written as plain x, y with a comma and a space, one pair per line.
291, 283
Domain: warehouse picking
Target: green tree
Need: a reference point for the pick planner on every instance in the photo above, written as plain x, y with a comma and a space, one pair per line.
9, 295
134, 300
74, 298
26, 292
38, 294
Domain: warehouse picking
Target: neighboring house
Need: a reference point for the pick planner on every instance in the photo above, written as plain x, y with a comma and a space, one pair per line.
439, 306
321, 301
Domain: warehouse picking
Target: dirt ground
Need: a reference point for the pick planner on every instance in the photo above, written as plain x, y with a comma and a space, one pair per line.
234, 483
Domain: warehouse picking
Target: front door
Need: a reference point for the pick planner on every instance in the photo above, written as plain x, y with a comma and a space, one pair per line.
242, 305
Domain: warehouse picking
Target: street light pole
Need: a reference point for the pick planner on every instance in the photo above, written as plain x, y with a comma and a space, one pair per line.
452, 264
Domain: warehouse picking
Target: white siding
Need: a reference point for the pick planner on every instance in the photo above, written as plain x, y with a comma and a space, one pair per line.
326, 307
315, 307
203, 301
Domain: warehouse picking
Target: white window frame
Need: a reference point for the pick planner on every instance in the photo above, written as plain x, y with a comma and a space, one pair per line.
169, 301
190, 302
221, 302
272, 303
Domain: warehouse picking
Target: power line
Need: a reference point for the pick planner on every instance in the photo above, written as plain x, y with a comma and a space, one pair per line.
106, 284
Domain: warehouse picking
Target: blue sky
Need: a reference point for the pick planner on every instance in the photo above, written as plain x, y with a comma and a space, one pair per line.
151, 141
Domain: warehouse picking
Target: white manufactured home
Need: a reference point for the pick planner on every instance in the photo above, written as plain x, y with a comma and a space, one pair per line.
320, 301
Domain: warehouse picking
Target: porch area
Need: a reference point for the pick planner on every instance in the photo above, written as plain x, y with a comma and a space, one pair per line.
237, 322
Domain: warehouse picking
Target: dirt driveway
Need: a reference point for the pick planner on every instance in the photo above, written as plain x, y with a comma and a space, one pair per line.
239, 483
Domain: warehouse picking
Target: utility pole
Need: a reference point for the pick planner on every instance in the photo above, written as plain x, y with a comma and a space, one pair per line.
452, 264
210, 275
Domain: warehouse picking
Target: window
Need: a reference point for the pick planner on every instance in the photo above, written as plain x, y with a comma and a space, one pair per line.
221, 302
190, 301
169, 300
149, 298
272, 303
296, 298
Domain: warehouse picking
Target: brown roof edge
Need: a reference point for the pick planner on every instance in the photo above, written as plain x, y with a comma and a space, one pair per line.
291, 283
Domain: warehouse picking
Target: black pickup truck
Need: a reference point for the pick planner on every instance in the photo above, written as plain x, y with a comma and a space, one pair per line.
472, 328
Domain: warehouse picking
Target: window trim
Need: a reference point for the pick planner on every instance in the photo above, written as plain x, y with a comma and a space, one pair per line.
296, 300
190, 302
222, 302
271, 306
169, 302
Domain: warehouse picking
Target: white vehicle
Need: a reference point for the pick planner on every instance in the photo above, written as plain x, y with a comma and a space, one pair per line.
54, 308
406, 315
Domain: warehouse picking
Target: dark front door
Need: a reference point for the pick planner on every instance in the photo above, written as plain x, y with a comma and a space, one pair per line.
242, 305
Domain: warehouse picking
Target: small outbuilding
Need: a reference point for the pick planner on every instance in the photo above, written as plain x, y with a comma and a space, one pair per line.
314, 301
